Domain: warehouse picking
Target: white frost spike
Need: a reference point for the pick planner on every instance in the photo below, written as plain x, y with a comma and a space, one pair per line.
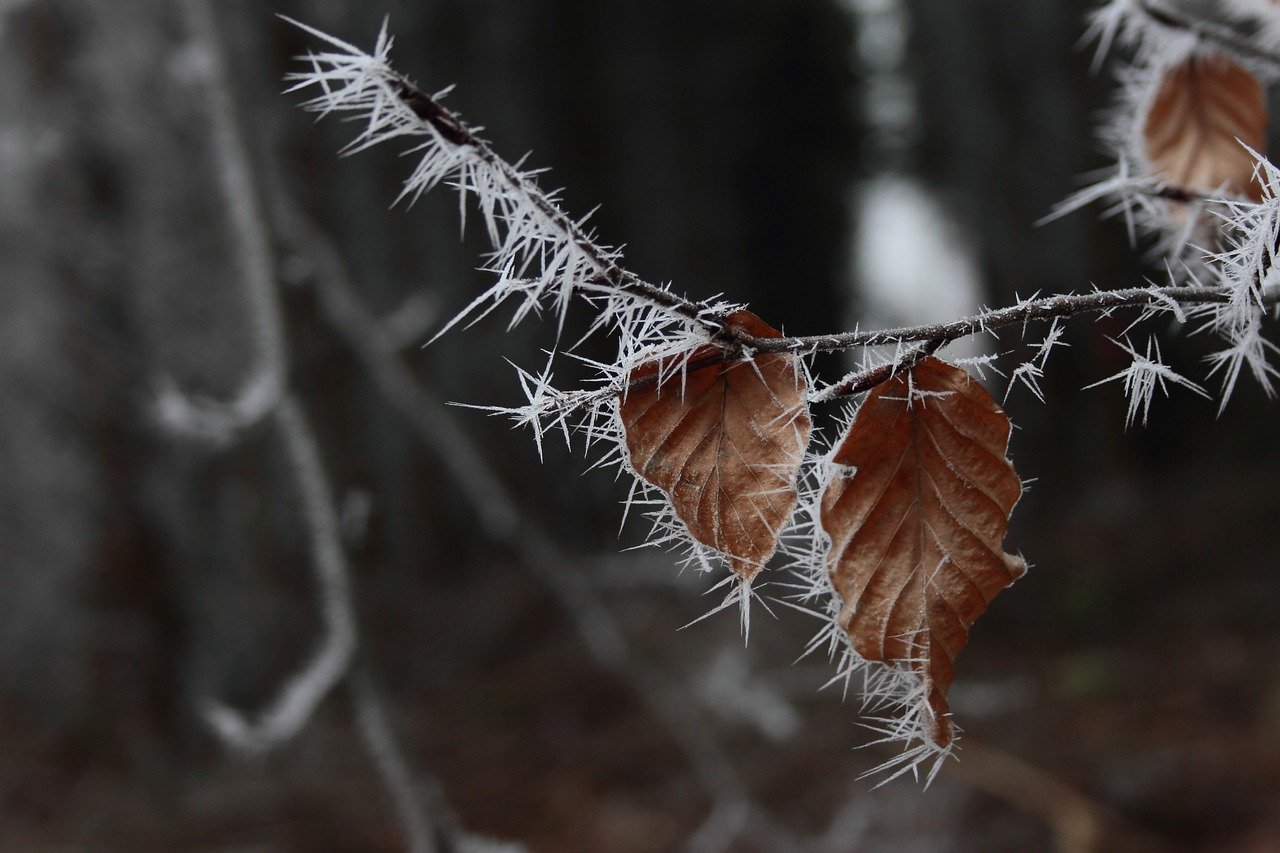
1248, 348
1143, 376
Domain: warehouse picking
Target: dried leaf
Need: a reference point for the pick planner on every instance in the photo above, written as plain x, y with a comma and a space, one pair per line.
1203, 109
917, 529
724, 441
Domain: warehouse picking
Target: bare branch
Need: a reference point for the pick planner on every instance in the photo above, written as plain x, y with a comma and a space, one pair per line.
303, 691
419, 800
261, 391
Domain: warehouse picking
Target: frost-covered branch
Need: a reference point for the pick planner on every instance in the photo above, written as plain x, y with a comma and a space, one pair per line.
542, 255
529, 231
215, 420
265, 395
429, 824
302, 692
1209, 31
934, 336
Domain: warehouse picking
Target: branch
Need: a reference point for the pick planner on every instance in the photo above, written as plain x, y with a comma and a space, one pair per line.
303, 692
934, 336
1046, 308
393, 106
1207, 30
429, 823
220, 421
264, 395
528, 229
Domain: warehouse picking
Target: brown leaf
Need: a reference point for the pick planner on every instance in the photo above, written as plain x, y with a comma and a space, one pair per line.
917, 530
724, 441
1203, 106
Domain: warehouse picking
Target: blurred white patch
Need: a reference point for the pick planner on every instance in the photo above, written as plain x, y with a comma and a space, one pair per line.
912, 262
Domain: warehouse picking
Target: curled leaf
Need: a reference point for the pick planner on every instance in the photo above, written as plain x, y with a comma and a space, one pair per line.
1204, 108
723, 439
917, 514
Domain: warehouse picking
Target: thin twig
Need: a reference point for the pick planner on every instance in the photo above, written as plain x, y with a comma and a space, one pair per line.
302, 692
266, 382
1208, 31
380, 742
933, 337
265, 395
454, 130
865, 380
1047, 308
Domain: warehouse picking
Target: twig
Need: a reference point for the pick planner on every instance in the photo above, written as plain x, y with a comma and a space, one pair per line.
446, 127
264, 395
1208, 31
934, 336
302, 692
266, 383
421, 832
394, 107
865, 380
1046, 308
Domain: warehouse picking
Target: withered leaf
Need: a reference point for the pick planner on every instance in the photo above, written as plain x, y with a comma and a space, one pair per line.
1203, 105
724, 441
917, 528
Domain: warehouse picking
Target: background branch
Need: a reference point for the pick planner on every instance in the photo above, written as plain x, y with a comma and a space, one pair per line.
303, 692
266, 382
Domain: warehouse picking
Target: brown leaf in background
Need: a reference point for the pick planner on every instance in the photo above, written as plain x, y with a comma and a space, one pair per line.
724, 441
1203, 106
917, 530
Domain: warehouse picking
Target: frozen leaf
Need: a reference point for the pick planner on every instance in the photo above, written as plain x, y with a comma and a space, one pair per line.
1204, 108
723, 439
917, 513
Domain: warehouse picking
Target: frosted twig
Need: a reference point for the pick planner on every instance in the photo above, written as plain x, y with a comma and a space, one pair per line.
526, 225
302, 692
221, 420
429, 823
264, 395
1046, 308
1208, 31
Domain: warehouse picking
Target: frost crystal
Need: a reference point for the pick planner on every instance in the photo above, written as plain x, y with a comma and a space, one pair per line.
1143, 376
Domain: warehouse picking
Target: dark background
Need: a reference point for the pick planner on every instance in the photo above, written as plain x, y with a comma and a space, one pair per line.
1131, 676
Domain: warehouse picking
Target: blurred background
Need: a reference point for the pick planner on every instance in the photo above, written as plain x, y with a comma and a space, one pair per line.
874, 161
